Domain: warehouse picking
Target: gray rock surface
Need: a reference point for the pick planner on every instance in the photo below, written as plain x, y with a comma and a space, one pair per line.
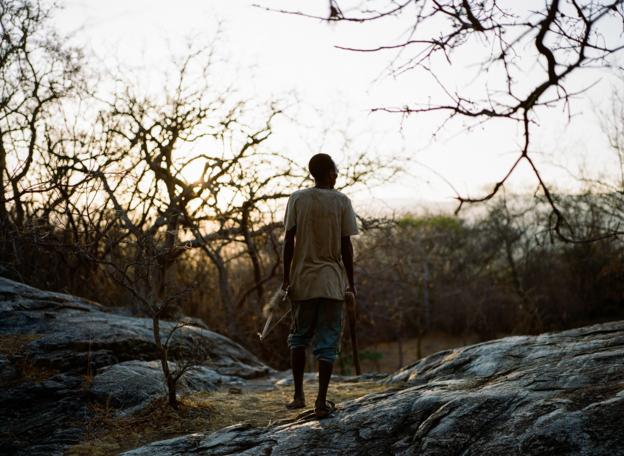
8, 373
132, 385
77, 335
553, 394
63, 340
42, 417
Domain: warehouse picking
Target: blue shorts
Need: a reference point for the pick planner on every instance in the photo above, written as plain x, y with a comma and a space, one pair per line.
319, 319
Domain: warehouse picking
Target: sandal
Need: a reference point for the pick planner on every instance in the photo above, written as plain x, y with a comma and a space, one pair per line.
325, 411
296, 404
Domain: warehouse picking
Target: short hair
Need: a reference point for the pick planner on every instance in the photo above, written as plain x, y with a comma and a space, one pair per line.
320, 165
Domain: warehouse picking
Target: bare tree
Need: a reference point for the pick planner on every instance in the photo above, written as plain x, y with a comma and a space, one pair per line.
38, 71
551, 41
612, 188
161, 165
508, 228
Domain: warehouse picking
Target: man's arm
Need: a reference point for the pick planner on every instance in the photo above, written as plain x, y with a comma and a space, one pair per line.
347, 260
289, 249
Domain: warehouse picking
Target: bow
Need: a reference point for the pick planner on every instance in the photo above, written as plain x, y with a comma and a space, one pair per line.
277, 300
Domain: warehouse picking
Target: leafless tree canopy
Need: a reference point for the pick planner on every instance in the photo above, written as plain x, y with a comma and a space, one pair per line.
524, 55
37, 75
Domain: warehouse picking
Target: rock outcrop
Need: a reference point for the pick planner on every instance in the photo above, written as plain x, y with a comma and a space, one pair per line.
73, 334
557, 393
131, 385
59, 352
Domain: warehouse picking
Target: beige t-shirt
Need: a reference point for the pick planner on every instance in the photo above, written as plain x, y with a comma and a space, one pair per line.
322, 217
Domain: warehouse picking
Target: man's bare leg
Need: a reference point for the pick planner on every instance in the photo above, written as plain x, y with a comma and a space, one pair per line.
324, 370
297, 363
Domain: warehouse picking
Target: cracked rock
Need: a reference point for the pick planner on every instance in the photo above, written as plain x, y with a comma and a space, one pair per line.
557, 393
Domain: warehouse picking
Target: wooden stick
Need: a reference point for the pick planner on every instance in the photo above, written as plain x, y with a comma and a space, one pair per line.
351, 314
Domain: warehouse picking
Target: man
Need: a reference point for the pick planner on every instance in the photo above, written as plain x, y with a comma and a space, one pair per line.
317, 256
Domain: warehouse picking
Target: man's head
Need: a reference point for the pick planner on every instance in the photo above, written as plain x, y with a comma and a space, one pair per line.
323, 169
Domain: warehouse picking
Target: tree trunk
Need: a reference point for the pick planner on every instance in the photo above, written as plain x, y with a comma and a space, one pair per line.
173, 400
164, 362
419, 336
530, 318
253, 255
227, 302
3, 208
400, 335
426, 302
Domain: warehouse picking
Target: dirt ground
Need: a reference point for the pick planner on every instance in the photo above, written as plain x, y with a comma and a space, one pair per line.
203, 412
209, 411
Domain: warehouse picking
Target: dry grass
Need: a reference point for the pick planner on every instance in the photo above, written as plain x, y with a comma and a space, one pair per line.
12, 345
29, 371
201, 412
263, 408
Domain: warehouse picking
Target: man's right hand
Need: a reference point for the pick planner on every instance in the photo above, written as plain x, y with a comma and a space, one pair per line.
351, 302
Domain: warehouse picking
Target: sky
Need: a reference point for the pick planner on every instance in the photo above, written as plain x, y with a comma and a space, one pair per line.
272, 55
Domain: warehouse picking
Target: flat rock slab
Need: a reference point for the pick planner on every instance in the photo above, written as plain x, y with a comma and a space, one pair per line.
8, 373
77, 352
41, 418
132, 385
77, 335
557, 393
